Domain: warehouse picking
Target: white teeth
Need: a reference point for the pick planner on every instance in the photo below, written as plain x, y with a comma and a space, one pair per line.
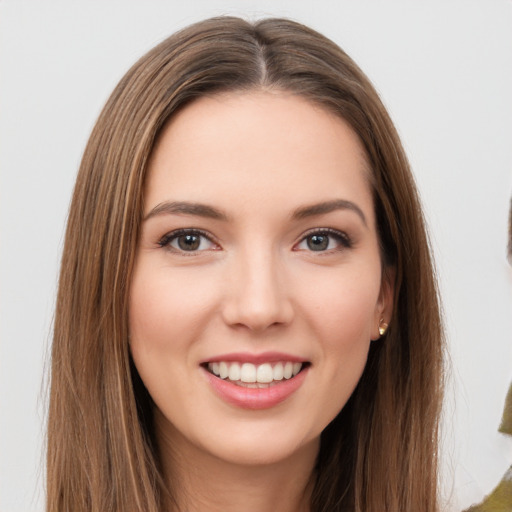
264, 374
248, 373
234, 371
223, 370
255, 375
278, 371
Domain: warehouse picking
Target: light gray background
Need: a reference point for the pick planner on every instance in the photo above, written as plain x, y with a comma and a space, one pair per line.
444, 70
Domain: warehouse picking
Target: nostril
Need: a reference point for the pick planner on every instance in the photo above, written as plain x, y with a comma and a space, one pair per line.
247, 315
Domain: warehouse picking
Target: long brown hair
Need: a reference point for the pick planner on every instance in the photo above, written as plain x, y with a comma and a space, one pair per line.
380, 453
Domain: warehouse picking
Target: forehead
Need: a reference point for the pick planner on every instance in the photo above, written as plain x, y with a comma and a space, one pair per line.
271, 145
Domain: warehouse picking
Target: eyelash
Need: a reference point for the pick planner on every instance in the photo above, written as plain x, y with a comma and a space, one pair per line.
342, 238
166, 240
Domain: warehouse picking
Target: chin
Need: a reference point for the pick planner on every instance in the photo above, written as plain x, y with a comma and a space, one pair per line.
263, 451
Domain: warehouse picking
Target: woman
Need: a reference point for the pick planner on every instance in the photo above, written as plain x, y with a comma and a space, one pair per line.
243, 231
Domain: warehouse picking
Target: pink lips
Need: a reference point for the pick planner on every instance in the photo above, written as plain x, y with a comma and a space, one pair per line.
256, 398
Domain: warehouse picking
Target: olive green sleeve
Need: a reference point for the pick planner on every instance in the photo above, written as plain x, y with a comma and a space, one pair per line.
506, 420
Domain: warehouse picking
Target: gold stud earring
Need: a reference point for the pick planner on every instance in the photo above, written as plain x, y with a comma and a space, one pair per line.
383, 327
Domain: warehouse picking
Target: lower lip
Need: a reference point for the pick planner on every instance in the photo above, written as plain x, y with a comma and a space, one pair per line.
256, 398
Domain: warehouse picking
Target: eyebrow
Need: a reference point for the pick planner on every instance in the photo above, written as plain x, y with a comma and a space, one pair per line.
203, 210
328, 207
186, 208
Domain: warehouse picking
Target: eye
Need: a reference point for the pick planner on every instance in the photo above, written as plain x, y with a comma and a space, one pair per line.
188, 240
324, 240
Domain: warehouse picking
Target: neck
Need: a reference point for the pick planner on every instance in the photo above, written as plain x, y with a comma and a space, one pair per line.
201, 481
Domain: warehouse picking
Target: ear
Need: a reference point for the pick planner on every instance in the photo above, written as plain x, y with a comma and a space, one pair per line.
384, 306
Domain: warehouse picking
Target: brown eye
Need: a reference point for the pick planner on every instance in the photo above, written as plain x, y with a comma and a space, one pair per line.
187, 241
324, 240
318, 242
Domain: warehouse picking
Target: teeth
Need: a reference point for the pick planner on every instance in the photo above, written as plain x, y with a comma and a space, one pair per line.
234, 371
264, 373
255, 376
223, 370
278, 371
248, 373
288, 370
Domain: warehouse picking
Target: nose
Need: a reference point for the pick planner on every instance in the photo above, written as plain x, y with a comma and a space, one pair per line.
257, 295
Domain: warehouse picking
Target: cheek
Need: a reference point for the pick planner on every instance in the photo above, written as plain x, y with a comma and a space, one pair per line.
149, 329
339, 312
167, 314
344, 307
344, 319
166, 309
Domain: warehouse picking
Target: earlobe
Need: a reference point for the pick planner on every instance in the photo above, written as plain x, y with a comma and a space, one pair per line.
384, 310
383, 327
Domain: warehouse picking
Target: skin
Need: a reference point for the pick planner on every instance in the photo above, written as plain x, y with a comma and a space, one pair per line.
253, 285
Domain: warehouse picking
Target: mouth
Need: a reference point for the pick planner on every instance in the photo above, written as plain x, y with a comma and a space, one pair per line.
255, 382
261, 376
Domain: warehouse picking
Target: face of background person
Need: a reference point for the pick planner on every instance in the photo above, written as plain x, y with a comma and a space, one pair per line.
258, 255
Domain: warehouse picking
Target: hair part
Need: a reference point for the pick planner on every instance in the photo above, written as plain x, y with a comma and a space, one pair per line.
380, 453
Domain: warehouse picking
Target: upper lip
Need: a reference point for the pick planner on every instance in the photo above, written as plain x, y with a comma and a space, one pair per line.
264, 357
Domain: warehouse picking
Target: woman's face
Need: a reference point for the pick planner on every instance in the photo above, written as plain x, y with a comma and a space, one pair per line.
257, 287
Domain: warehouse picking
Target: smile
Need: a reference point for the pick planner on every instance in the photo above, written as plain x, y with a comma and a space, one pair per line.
261, 384
255, 376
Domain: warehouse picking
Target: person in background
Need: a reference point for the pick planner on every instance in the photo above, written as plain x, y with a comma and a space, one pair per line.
500, 499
